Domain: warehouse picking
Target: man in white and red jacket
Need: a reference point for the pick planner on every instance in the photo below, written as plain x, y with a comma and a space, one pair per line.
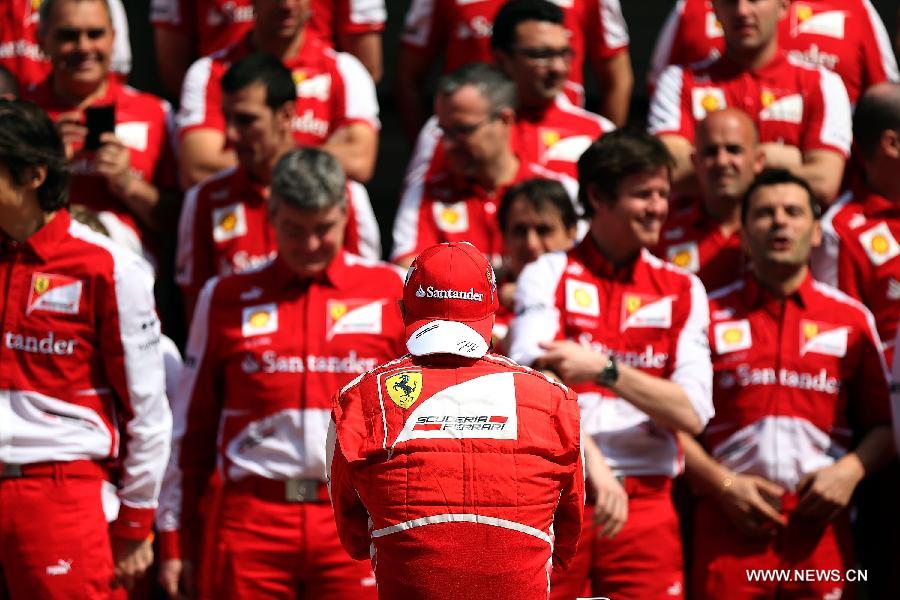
802, 413
459, 468
266, 351
628, 331
81, 383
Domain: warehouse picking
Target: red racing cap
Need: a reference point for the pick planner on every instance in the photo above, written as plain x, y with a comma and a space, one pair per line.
449, 300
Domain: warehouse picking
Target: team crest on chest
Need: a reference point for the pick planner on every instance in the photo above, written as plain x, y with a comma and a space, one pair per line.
353, 316
823, 338
404, 388
54, 293
641, 310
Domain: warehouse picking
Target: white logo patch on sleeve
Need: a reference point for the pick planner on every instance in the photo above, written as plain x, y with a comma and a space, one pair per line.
582, 298
481, 408
259, 320
732, 336
229, 222
879, 244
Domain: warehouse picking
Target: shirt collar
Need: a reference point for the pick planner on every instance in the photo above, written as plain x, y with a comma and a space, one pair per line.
255, 191
589, 252
44, 241
337, 274
732, 67
758, 296
873, 204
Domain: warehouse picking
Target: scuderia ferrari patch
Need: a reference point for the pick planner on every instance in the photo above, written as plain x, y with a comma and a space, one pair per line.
404, 388
54, 293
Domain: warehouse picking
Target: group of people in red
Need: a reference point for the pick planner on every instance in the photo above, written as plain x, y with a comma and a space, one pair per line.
632, 363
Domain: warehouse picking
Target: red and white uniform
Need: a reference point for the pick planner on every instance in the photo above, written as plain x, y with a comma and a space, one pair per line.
224, 228
461, 30
861, 239
692, 240
217, 24
446, 208
143, 124
845, 36
651, 316
333, 90
789, 102
486, 456
265, 354
793, 379
20, 51
82, 383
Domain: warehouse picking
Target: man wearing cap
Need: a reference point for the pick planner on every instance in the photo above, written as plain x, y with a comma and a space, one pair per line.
462, 455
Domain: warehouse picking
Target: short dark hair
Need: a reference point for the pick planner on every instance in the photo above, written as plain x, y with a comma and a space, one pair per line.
8, 83
46, 11
771, 177
265, 69
516, 12
492, 83
539, 194
877, 111
28, 139
612, 158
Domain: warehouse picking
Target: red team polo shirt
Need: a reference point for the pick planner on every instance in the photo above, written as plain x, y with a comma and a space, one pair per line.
694, 241
333, 90
861, 238
217, 24
143, 124
461, 30
792, 378
789, 101
845, 36
224, 228
445, 208
265, 355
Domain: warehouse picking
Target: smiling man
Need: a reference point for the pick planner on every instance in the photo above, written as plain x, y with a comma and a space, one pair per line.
266, 351
628, 332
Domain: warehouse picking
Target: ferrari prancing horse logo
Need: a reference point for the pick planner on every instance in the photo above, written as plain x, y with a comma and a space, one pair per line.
404, 388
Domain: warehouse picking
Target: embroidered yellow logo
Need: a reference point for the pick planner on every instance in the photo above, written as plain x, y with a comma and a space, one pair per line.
404, 388
880, 245
733, 336
337, 310
682, 259
767, 98
41, 284
632, 303
710, 103
810, 330
582, 297
804, 13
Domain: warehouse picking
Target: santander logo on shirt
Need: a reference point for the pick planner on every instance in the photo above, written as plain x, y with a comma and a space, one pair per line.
647, 358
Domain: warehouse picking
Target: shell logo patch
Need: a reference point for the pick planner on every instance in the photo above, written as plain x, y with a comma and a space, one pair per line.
54, 293
404, 388
639, 310
229, 222
706, 100
685, 256
550, 137
259, 320
451, 217
582, 298
731, 336
353, 316
823, 338
879, 244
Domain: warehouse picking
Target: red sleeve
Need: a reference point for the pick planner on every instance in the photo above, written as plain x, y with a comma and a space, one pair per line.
827, 119
201, 97
848, 276
869, 394
353, 17
414, 227
605, 30
194, 263
570, 511
350, 515
879, 64
425, 27
671, 110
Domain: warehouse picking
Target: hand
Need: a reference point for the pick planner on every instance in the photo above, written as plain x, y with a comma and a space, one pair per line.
507, 295
781, 156
176, 578
131, 558
611, 511
71, 132
573, 362
113, 161
826, 492
748, 503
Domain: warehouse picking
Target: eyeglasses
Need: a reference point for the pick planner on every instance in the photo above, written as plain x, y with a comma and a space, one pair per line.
544, 56
461, 132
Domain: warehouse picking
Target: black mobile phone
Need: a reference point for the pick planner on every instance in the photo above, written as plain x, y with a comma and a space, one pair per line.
98, 120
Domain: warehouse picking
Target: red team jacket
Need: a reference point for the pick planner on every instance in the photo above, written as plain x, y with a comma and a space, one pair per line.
265, 354
461, 30
649, 315
844, 36
463, 476
333, 90
789, 101
224, 228
81, 370
793, 379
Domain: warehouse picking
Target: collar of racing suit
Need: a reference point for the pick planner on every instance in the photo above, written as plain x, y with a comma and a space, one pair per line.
336, 274
873, 204
589, 252
42, 242
755, 295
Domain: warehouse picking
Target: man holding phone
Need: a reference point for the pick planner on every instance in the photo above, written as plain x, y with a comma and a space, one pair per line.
116, 137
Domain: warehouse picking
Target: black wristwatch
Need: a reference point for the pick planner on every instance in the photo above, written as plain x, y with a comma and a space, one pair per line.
610, 373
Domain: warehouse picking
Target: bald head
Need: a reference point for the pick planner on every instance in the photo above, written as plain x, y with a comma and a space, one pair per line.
726, 157
877, 113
